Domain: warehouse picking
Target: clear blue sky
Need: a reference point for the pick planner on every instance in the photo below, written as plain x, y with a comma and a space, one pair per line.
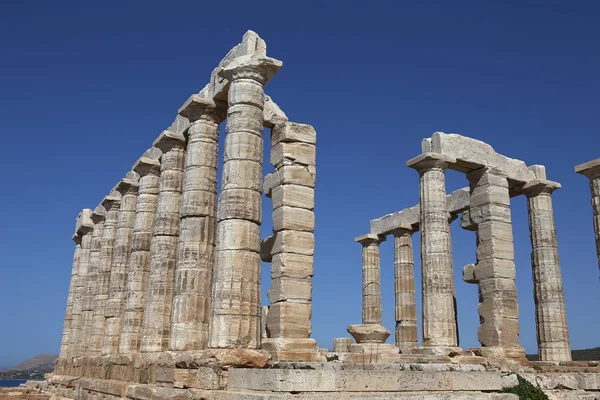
85, 87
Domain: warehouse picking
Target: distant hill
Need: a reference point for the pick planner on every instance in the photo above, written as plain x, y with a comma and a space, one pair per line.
34, 368
577, 355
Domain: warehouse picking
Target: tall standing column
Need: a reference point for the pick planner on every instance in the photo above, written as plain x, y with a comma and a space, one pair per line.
128, 187
371, 281
439, 319
84, 230
148, 167
66, 336
591, 169
550, 313
163, 250
92, 279
235, 309
193, 273
111, 204
495, 271
404, 290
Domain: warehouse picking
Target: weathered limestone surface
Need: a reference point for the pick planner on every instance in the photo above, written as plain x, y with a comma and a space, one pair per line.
591, 169
66, 336
550, 313
235, 308
371, 280
495, 269
117, 291
290, 295
457, 202
341, 345
148, 168
439, 319
111, 204
404, 290
163, 248
470, 154
92, 279
193, 273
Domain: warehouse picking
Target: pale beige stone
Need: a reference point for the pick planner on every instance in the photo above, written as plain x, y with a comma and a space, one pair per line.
340, 345
371, 282
293, 153
404, 289
293, 132
293, 218
368, 333
293, 196
294, 242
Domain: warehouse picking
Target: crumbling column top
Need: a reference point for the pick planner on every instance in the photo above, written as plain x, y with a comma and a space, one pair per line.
251, 66
197, 107
99, 214
430, 160
108, 201
84, 222
591, 169
539, 186
168, 139
369, 239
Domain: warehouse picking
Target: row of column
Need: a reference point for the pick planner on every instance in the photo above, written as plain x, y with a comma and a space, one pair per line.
142, 277
494, 272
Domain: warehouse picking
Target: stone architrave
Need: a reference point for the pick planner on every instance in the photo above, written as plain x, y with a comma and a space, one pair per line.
550, 313
84, 227
66, 336
111, 204
235, 307
495, 269
371, 281
117, 291
591, 169
148, 168
404, 290
439, 318
193, 273
92, 279
163, 249
293, 145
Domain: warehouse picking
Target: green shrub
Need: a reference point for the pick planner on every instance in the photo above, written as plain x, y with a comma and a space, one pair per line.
526, 391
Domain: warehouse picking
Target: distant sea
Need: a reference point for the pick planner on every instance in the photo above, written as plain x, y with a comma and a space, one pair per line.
12, 382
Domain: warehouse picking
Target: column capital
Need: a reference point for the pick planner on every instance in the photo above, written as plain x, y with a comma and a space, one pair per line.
129, 184
99, 214
197, 107
76, 238
369, 239
108, 202
254, 67
476, 174
402, 230
539, 186
427, 161
83, 222
591, 169
168, 140
146, 166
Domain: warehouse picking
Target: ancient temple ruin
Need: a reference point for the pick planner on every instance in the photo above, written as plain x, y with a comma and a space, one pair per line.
164, 298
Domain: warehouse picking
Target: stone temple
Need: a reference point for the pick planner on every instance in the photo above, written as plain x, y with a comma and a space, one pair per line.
164, 298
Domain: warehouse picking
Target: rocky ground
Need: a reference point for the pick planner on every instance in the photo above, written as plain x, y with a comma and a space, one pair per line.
19, 393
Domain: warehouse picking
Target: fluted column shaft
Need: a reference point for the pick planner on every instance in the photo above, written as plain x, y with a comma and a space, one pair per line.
115, 306
111, 204
235, 309
66, 336
591, 170
550, 313
439, 319
193, 273
139, 260
79, 292
163, 250
495, 269
371, 280
92, 279
404, 290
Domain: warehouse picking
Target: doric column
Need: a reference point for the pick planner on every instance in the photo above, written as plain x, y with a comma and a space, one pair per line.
439, 319
148, 168
66, 336
342, 345
235, 309
550, 313
193, 273
115, 306
92, 279
289, 318
163, 250
111, 204
495, 269
591, 169
371, 282
83, 229
404, 290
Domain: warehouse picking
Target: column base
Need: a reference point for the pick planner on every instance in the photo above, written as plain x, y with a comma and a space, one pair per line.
368, 333
292, 349
373, 348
